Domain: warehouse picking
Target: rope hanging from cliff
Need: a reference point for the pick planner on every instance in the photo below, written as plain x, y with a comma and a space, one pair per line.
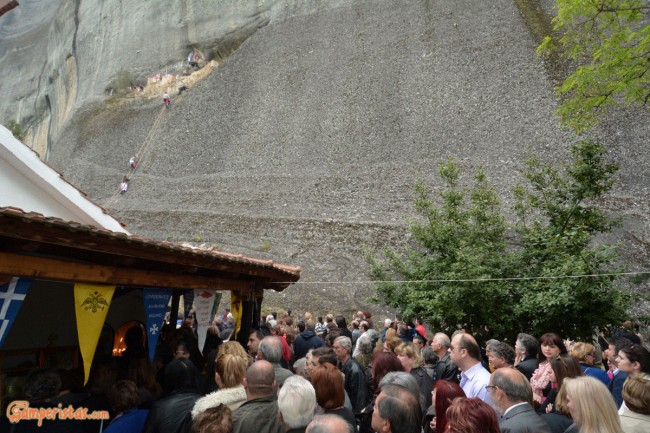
141, 152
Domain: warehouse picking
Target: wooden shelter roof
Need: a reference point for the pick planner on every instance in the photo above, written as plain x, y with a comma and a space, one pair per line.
32, 245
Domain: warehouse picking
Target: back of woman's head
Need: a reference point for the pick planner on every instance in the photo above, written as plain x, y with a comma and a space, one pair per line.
123, 396
636, 394
392, 342
581, 350
234, 348
180, 374
565, 366
382, 364
446, 392
594, 410
471, 415
231, 369
638, 353
142, 374
329, 385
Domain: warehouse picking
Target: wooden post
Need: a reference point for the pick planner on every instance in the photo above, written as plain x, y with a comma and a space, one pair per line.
173, 314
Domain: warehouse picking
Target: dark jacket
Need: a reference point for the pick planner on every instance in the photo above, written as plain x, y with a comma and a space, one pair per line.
447, 370
344, 413
355, 384
527, 367
259, 415
425, 382
559, 423
168, 414
616, 387
304, 341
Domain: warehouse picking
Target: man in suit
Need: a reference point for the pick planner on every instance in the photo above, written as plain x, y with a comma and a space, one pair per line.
617, 377
511, 393
526, 348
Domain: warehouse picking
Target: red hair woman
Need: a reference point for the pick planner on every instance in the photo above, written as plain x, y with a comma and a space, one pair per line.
443, 394
471, 415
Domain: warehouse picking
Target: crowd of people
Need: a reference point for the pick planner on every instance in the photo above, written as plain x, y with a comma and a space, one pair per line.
315, 375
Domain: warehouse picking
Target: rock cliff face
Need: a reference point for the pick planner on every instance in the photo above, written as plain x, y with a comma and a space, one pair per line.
305, 145
61, 55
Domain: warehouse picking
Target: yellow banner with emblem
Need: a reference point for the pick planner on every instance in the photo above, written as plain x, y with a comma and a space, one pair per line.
91, 304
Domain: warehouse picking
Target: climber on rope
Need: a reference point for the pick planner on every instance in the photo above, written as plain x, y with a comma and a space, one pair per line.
166, 99
124, 185
132, 164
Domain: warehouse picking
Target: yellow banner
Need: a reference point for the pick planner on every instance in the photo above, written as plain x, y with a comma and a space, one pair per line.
91, 304
236, 311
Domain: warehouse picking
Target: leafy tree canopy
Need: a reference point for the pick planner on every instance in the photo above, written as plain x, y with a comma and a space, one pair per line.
463, 267
610, 40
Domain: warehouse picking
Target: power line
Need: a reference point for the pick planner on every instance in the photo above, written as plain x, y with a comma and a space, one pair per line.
468, 280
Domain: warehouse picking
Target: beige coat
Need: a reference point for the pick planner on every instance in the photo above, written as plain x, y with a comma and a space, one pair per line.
633, 422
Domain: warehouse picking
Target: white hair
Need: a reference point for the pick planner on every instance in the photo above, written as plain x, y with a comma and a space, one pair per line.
297, 402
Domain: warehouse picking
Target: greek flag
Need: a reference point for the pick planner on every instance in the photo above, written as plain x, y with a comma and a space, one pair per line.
12, 296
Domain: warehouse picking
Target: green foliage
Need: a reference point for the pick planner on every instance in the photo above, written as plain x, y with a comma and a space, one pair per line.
15, 129
462, 268
610, 40
265, 246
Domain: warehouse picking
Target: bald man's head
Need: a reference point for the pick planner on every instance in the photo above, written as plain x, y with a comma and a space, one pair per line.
512, 387
260, 378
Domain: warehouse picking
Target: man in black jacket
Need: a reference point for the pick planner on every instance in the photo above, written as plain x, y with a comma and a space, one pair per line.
445, 368
526, 348
306, 340
356, 384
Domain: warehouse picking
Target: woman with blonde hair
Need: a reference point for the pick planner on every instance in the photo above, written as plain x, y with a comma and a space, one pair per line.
391, 343
585, 353
591, 405
635, 416
230, 372
412, 362
233, 348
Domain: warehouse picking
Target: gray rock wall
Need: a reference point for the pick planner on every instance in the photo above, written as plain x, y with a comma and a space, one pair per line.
305, 145
72, 49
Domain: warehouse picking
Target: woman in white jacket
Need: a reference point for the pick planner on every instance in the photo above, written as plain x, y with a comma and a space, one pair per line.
230, 372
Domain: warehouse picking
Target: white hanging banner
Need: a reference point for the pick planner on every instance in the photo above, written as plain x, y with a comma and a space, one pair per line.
203, 305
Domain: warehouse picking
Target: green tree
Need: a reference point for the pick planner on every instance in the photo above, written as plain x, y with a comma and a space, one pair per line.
559, 218
610, 40
454, 243
462, 266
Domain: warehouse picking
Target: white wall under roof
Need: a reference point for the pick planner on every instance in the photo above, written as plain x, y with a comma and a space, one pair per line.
29, 184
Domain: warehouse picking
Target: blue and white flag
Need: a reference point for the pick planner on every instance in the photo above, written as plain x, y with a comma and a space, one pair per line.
12, 296
155, 307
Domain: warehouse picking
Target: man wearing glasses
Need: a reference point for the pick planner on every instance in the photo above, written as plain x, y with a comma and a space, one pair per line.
510, 392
